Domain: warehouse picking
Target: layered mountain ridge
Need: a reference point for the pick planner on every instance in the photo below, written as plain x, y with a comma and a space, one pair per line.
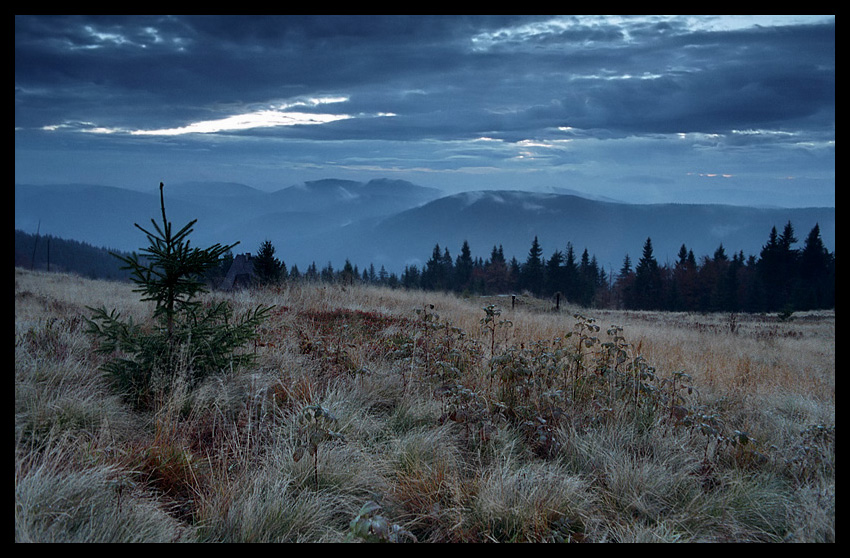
396, 223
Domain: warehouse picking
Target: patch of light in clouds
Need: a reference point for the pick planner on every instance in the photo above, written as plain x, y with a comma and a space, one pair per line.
257, 119
312, 102
277, 115
264, 118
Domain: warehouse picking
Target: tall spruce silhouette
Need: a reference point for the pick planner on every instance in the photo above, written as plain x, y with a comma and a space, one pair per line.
268, 270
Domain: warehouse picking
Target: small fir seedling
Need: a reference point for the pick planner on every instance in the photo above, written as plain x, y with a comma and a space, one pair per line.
189, 337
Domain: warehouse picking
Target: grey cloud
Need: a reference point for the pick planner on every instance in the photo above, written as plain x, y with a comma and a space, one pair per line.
708, 81
448, 80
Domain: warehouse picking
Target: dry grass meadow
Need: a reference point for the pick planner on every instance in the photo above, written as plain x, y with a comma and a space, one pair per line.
442, 425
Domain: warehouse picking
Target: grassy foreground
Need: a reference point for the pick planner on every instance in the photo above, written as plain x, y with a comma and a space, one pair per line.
376, 414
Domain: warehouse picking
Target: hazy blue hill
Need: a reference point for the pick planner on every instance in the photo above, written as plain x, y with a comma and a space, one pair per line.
346, 201
226, 212
608, 230
99, 215
70, 256
330, 184
288, 230
200, 189
315, 196
394, 223
391, 187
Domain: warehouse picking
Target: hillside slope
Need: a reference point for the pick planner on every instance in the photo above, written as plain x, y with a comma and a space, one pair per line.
395, 223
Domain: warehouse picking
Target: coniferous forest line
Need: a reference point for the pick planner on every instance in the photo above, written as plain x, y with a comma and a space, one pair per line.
786, 275
50, 253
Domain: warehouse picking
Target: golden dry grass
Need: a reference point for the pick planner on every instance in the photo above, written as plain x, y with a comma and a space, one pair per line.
215, 464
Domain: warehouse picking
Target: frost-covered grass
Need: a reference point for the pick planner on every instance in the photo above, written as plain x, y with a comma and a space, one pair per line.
462, 424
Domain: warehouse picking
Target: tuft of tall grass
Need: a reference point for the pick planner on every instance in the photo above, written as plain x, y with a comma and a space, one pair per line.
54, 398
59, 501
268, 506
427, 476
276, 500
530, 502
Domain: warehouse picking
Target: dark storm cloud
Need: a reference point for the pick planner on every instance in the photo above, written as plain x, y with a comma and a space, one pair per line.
425, 89
699, 82
661, 79
191, 61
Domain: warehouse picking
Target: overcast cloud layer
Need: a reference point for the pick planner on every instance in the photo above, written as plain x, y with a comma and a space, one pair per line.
737, 109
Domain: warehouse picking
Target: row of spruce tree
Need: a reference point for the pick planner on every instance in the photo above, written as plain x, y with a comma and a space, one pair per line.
51, 253
782, 278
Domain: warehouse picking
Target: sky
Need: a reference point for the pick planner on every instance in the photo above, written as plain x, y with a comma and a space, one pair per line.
641, 109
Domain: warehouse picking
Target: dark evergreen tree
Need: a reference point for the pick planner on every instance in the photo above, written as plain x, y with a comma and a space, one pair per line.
790, 265
554, 273
597, 279
191, 340
603, 290
732, 299
683, 289
624, 284
817, 274
294, 274
463, 269
170, 274
312, 273
328, 275
787, 239
514, 273
587, 278
712, 285
411, 278
692, 271
778, 269
435, 276
532, 274
268, 270
570, 276
447, 270
769, 270
496, 276
477, 281
646, 294
348, 273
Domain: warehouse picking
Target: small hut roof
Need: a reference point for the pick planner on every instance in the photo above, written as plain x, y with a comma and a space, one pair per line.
240, 272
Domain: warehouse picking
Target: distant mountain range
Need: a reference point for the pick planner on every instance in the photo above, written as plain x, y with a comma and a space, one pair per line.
396, 223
